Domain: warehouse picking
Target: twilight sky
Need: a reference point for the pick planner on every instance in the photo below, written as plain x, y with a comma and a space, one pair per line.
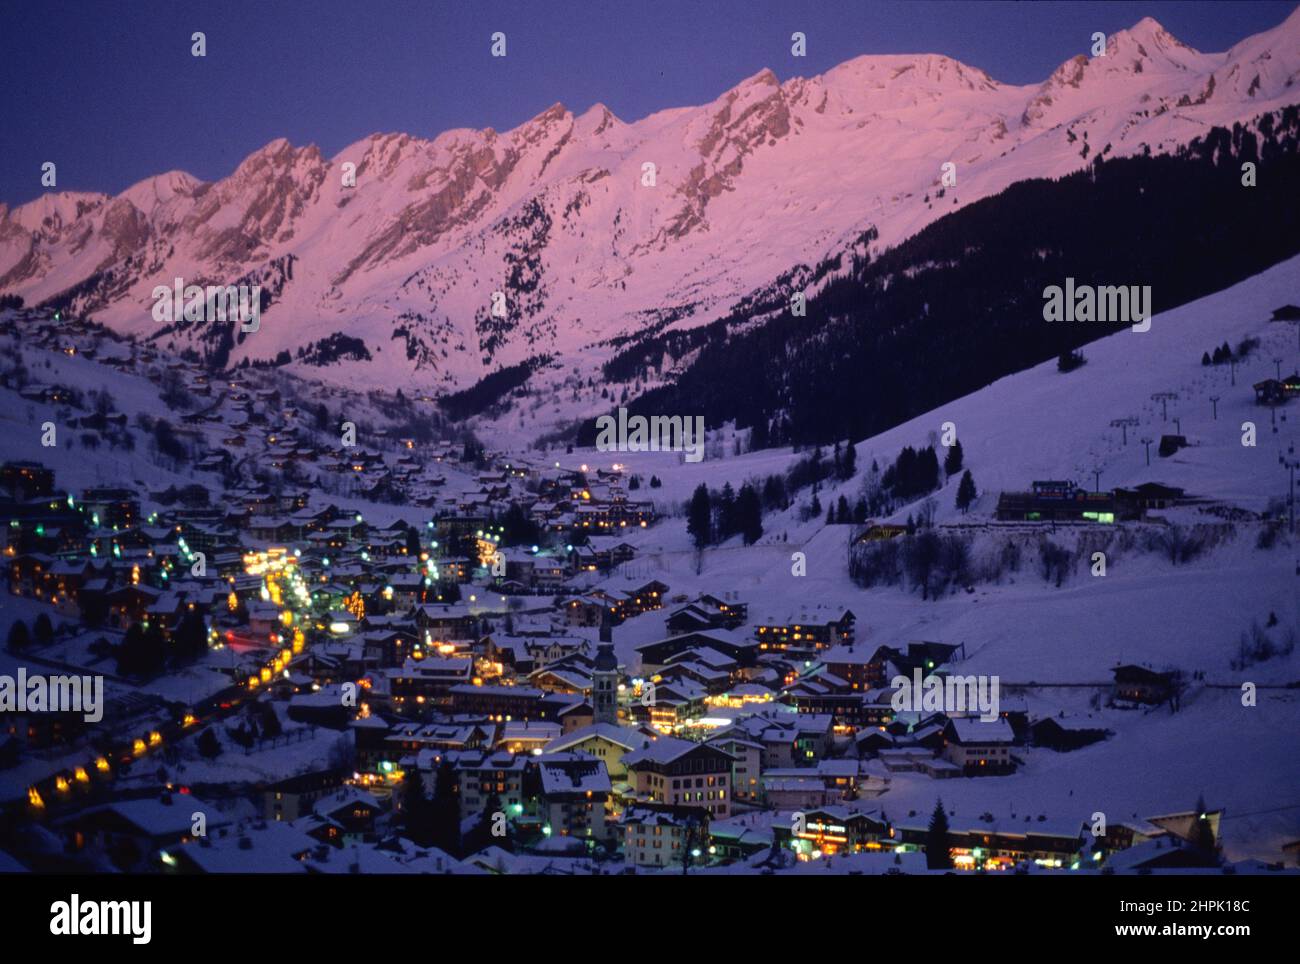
108, 90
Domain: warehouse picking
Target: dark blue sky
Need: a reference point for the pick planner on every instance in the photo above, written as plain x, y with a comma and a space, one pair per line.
108, 90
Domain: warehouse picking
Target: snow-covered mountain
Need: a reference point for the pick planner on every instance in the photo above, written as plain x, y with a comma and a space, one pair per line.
588, 242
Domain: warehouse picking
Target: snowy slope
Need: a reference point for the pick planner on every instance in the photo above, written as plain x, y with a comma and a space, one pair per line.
1055, 641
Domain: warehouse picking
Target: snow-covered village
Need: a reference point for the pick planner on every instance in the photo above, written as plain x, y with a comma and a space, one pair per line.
749, 513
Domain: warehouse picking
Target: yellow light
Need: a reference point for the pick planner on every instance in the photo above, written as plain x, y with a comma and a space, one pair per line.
138, 747
155, 738
61, 783
34, 798
81, 775
101, 764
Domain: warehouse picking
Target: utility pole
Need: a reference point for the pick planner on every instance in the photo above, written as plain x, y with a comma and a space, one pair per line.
1232, 366
1147, 443
1277, 366
1096, 474
1178, 425
1214, 402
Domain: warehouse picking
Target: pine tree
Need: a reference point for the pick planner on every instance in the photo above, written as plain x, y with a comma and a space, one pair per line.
749, 515
43, 630
208, 745
842, 513
19, 637
271, 727
444, 823
191, 640
699, 517
416, 812
849, 465
480, 837
952, 461
937, 855
965, 491
726, 526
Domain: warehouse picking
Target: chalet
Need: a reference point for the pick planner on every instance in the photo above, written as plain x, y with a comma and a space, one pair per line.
979, 748
291, 798
668, 704
527, 736
607, 742
26, 480
601, 553
655, 656
655, 836
111, 507
833, 830
1269, 392
815, 628
788, 739
499, 702
131, 832
1137, 684
561, 679
571, 790
447, 621
707, 612
1065, 733
355, 811
406, 739
681, 773
484, 777
428, 681
584, 610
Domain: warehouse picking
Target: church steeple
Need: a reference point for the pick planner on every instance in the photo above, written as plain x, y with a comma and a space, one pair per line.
604, 677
